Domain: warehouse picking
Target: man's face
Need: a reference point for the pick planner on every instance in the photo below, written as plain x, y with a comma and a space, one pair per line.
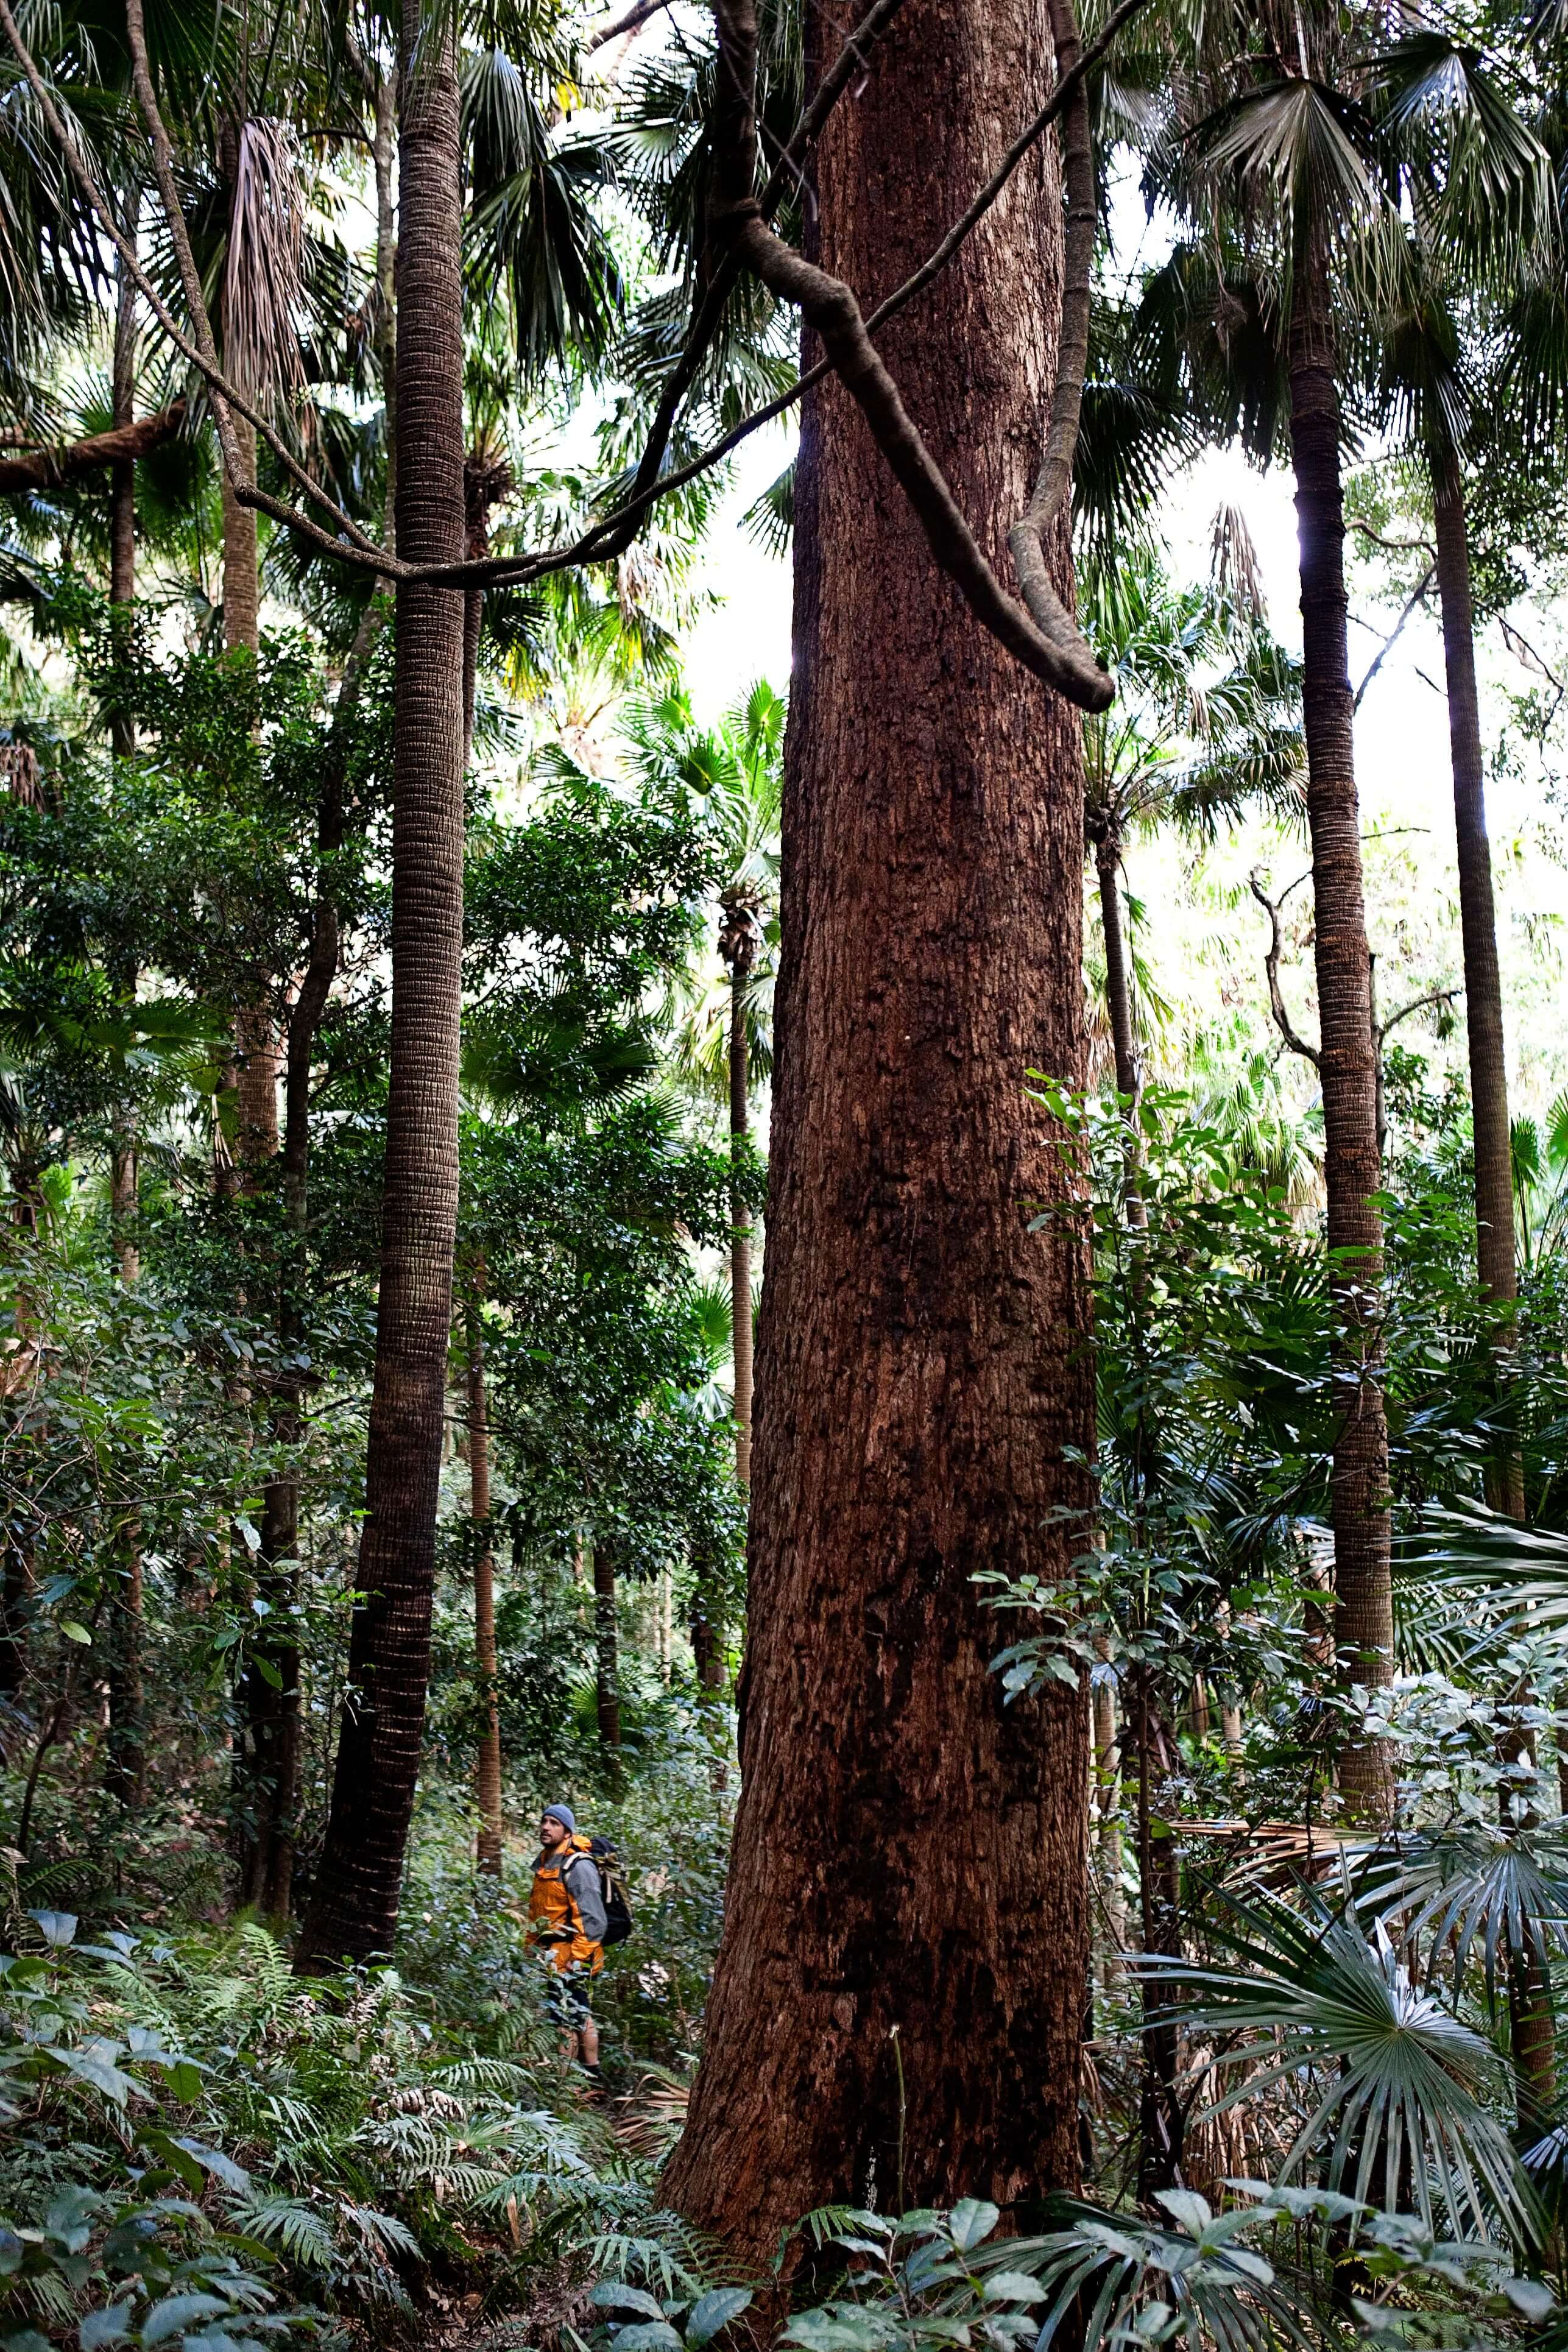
551, 1833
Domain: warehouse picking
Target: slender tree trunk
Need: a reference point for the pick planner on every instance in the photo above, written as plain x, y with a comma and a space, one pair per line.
740, 1224
1478, 923
254, 1032
606, 1657
1119, 1003
1161, 2118
1107, 1775
122, 1174
1118, 978
125, 1776
354, 1910
1360, 1507
123, 477
492, 1828
908, 1852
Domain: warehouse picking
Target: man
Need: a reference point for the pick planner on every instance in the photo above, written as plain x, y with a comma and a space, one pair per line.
568, 1907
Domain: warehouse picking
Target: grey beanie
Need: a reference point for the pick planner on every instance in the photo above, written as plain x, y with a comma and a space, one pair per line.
564, 1814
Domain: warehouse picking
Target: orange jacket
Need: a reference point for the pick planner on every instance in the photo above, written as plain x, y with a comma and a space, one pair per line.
559, 1922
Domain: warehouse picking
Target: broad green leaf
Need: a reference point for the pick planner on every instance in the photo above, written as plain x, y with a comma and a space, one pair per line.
57, 1928
714, 2310
611, 2294
100, 2328
75, 1630
649, 2335
176, 2313
971, 2222
1014, 2286
95, 2065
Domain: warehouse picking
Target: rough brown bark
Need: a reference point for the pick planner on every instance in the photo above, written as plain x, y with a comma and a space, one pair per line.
1477, 924
354, 1910
488, 1776
739, 939
1359, 1509
43, 469
1118, 982
908, 1852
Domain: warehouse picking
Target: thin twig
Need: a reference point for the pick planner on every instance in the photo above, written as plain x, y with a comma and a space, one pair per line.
1417, 597
1283, 1020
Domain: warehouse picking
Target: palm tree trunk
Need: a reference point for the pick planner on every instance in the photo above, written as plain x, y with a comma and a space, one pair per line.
1119, 1003
123, 477
492, 1828
1118, 979
1359, 1508
740, 1226
922, 1372
606, 1657
1478, 923
122, 1168
355, 1907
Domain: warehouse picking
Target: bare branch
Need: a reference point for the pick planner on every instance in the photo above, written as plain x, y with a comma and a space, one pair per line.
44, 469
1052, 495
1417, 597
1283, 1020
629, 20
830, 307
1416, 1004
1393, 546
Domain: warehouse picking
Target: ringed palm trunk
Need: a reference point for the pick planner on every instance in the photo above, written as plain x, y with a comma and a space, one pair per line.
1360, 1507
922, 1368
355, 1908
1495, 1259
488, 1776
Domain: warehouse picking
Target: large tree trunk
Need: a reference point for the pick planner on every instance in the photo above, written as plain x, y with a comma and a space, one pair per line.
355, 1907
492, 1828
1359, 1511
1477, 924
910, 1855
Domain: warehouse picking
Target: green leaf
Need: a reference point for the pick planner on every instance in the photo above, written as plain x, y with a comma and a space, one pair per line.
971, 2222
75, 1630
714, 2310
184, 2080
95, 2065
649, 2335
176, 2313
57, 1928
612, 2295
69, 2218
1014, 2286
102, 2327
